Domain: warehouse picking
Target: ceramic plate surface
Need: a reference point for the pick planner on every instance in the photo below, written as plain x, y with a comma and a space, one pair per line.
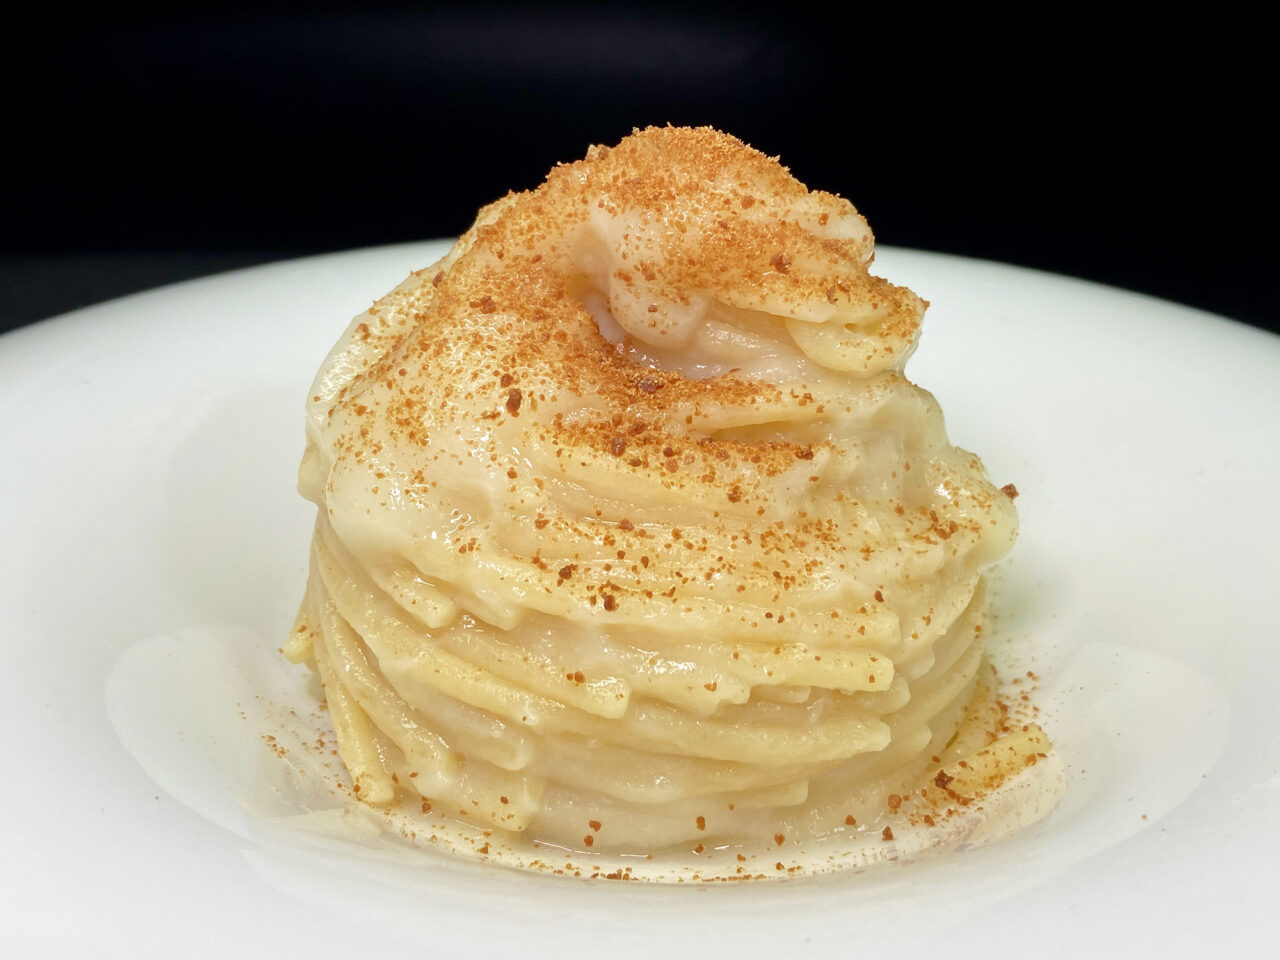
154, 551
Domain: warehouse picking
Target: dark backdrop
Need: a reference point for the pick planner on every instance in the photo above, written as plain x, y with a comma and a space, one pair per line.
147, 144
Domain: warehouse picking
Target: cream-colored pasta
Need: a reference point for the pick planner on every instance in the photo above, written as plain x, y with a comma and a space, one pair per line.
631, 532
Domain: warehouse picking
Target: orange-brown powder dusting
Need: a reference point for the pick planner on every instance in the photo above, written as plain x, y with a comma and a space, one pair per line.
1014, 742
646, 175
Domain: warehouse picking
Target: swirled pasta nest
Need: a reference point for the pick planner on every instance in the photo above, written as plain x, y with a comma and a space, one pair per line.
631, 532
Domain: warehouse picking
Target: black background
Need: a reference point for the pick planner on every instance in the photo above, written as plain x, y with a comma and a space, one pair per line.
147, 144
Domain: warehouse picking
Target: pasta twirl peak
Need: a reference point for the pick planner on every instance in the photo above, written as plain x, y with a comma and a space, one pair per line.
633, 537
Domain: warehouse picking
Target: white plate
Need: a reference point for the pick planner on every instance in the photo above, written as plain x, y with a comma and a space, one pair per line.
154, 549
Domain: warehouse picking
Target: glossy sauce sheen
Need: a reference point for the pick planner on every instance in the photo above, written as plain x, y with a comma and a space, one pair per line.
633, 537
